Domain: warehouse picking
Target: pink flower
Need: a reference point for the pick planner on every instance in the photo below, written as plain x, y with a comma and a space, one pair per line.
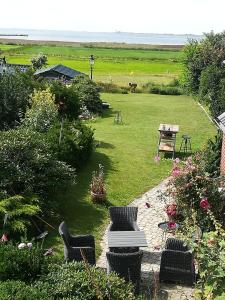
171, 225
175, 172
4, 238
171, 209
204, 204
157, 158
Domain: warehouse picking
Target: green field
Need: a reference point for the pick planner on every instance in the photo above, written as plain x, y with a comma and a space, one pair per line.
127, 153
117, 65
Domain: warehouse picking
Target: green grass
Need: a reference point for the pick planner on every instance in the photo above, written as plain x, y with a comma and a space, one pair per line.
127, 153
118, 65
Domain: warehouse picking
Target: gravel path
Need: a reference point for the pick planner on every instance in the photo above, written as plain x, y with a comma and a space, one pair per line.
148, 219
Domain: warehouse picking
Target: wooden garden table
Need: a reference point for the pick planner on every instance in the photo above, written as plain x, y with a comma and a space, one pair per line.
127, 239
167, 138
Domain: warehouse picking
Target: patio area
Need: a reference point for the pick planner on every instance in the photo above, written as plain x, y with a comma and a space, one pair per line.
149, 216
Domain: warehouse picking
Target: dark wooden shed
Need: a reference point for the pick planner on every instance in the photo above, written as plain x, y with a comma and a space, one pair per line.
58, 72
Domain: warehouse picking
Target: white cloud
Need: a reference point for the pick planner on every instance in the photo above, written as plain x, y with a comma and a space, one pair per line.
162, 16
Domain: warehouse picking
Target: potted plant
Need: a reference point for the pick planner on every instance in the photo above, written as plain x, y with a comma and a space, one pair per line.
98, 192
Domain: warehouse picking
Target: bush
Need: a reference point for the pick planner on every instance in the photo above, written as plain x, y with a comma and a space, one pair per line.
88, 93
18, 290
67, 100
212, 155
112, 88
22, 264
16, 211
39, 61
75, 282
27, 165
76, 142
190, 184
43, 111
14, 98
204, 71
165, 90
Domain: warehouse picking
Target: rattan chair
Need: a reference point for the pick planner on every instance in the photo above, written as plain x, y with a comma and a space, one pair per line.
127, 266
177, 263
75, 247
123, 218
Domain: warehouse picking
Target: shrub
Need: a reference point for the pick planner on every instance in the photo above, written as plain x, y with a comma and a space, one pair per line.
88, 93
212, 155
39, 61
16, 211
43, 111
165, 90
75, 145
190, 184
66, 99
204, 71
27, 165
14, 96
112, 88
22, 264
75, 281
18, 290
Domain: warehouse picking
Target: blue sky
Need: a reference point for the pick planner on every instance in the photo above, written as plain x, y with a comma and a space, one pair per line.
158, 16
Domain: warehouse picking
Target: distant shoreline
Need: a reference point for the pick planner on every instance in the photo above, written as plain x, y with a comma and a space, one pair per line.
2, 34
86, 44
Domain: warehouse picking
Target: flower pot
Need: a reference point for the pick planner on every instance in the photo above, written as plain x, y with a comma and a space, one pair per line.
98, 197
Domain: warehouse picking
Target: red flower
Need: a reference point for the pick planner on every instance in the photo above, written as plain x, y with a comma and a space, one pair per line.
171, 225
4, 238
204, 204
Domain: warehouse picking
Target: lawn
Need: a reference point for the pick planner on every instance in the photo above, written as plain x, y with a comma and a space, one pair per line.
127, 153
119, 65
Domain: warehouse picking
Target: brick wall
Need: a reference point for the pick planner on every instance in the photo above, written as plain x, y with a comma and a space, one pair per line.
222, 162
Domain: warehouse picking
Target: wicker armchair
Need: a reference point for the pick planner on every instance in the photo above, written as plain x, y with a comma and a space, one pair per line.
123, 218
74, 245
127, 266
177, 263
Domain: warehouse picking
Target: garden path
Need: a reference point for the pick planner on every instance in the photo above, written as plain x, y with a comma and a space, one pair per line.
148, 219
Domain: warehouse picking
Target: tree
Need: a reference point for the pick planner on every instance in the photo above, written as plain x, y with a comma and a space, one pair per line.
204, 71
14, 98
88, 93
39, 61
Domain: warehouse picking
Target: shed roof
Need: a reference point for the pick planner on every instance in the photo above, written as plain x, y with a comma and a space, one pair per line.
61, 69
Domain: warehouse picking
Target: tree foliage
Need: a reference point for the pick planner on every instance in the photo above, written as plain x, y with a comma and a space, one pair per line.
88, 93
39, 61
204, 71
43, 111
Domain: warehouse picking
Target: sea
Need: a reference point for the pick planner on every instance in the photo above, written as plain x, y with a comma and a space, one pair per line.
110, 37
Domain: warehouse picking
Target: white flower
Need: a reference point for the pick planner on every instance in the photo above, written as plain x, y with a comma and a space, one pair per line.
22, 245
29, 245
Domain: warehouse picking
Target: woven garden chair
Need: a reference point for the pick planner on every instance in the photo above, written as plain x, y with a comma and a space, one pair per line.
123, 218
75, 246
127, 266
177, 263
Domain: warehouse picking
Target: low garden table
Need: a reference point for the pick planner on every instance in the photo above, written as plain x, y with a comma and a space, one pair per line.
127, 239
